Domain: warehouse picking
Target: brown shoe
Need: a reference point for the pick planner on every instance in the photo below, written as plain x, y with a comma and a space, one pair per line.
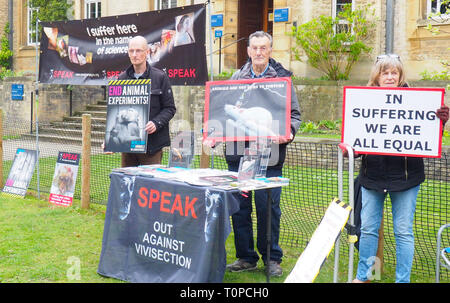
275, 269
241, 265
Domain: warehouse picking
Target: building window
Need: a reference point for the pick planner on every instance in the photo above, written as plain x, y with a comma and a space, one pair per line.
31, 25
92, 9
338, 6
164, 4
438, 7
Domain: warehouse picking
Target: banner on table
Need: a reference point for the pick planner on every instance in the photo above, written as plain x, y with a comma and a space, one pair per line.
93, 51
161, 231
393, 121
64, 179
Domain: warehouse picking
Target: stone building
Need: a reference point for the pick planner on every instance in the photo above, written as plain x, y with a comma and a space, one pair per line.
400, 26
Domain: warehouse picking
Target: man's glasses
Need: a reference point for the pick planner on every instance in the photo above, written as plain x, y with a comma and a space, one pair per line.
384, 57
137, 51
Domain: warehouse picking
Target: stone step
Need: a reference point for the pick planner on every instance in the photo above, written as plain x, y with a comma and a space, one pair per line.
76, 125
94, 120
96, 107
66, 139
94, 114
69, 132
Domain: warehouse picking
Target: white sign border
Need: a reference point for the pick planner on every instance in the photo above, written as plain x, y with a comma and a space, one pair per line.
344, 128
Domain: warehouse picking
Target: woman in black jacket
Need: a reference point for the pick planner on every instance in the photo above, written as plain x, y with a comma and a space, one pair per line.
397, 175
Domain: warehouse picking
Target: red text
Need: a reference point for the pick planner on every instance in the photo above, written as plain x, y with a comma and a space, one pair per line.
168, 202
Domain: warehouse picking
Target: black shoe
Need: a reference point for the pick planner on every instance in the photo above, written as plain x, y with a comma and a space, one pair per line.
241, 265
275, 268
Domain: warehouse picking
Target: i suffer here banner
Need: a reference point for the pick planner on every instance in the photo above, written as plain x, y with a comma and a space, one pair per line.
94, 51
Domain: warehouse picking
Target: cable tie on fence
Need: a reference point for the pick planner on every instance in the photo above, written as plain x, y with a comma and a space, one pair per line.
351, 229
352, 238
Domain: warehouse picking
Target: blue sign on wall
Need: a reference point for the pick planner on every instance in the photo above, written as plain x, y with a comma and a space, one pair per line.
281, 15
218, 33
217, 20
17, 91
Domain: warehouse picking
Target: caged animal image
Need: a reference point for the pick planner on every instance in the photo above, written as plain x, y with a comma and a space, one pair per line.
126, 127
63, 181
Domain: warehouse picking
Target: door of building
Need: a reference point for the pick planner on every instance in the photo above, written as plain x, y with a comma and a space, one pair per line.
253, 15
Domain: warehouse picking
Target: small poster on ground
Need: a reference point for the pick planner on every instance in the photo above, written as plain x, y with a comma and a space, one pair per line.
322, 242
21, 172
128, 109
64, 179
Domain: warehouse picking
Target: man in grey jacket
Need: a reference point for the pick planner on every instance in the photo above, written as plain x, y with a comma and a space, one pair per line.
260, 65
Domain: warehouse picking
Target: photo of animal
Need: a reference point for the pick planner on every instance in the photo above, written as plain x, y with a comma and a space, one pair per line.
63, 180
239, 110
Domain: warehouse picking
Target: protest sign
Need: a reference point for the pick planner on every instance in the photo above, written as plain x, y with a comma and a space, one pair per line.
128, 109
21, 172
322, 242
393, 121
64, 179
241, 110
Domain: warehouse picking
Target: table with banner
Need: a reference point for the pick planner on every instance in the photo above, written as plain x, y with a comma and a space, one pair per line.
162, 229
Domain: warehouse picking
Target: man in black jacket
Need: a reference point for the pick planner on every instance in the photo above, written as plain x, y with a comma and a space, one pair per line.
260, 65
162, 105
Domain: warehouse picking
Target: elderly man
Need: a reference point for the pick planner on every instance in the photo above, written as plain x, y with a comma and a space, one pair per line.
260, 65
162, 105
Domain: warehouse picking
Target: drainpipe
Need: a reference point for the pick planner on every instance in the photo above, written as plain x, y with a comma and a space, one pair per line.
11, 28
389, 26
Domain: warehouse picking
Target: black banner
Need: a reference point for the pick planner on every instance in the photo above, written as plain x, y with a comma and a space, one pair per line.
93, 51
163, 231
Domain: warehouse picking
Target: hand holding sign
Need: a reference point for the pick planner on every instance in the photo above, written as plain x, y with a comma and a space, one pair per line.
442, 113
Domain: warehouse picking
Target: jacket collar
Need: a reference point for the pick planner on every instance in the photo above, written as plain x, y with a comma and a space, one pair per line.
145, 75
275, 70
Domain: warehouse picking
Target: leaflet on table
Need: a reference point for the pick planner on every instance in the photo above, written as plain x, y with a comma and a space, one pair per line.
221, 179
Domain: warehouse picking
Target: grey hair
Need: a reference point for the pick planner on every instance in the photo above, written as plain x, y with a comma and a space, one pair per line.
260, 34
384, 64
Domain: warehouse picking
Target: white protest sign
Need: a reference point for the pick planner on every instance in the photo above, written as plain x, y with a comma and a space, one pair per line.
393, 121
322, 242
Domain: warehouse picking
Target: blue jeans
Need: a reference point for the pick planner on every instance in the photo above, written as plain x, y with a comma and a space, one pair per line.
243, 226
403, 208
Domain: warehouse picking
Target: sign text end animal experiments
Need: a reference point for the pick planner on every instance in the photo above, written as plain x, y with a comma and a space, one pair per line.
393, 121
128, 94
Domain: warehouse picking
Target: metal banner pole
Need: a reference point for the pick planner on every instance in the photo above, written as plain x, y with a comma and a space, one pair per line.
340, 195
37, 104
351, 197
210, 63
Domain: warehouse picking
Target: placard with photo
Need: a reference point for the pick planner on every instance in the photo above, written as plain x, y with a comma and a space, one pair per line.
241, 110
21, 172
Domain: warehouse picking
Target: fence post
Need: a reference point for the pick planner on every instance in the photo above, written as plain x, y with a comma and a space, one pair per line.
204, 159
1, 148
86, 161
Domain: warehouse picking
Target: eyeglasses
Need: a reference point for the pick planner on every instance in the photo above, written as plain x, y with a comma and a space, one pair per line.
384, 57
137, 51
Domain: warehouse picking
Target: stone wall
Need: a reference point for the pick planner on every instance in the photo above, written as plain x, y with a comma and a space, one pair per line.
53, 100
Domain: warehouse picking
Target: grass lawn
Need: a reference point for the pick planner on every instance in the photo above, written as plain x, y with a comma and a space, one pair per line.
41, 244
